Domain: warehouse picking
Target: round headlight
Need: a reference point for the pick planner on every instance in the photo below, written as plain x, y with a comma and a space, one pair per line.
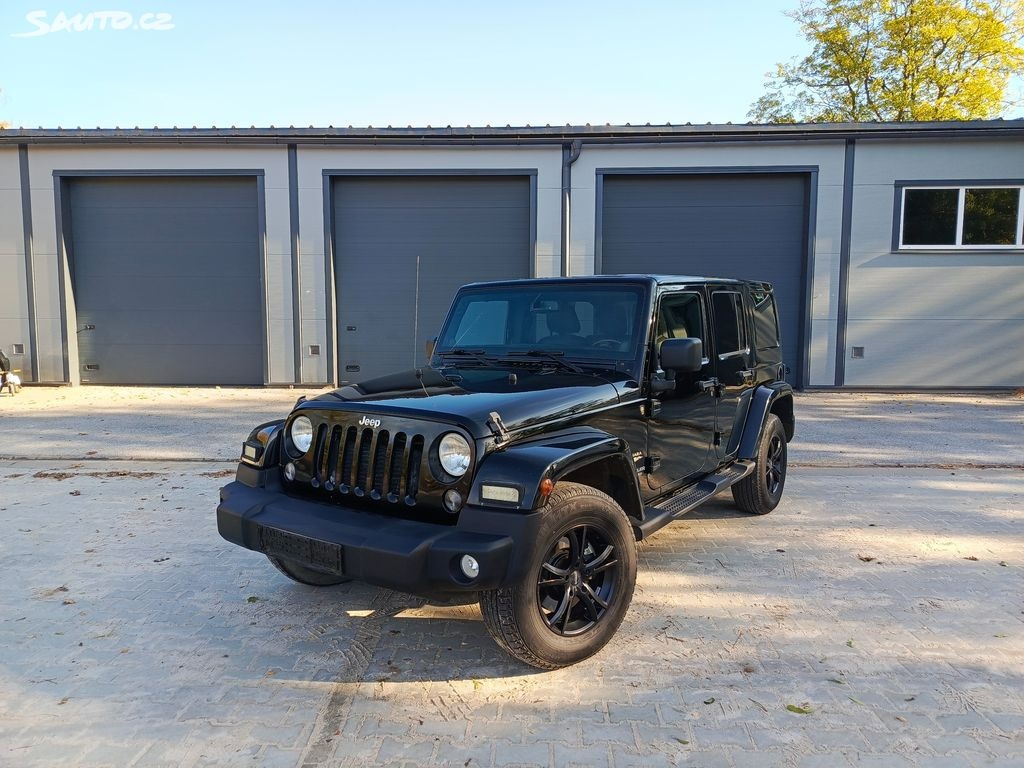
454, 454
301, 433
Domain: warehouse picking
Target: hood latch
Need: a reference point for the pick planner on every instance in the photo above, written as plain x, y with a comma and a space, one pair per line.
497, 427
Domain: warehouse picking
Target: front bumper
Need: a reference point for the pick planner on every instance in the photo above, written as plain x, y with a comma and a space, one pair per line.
410, 556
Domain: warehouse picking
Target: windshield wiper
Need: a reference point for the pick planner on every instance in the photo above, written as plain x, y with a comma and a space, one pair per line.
477, 354
553, 355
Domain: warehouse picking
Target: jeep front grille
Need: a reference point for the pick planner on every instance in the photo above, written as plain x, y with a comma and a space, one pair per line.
367, 463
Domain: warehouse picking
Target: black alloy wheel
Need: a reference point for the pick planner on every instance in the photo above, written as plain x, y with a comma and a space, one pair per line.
775, 464
576, 589
576, 584
760, 491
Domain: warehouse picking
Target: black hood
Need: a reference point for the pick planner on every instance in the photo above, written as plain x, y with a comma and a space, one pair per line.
521, 396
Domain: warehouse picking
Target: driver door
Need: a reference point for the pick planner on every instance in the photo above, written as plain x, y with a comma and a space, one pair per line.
681, 417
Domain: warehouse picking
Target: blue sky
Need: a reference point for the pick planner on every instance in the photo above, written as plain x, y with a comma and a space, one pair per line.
400, 62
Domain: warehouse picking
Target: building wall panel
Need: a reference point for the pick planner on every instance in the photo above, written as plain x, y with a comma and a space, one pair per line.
931, 318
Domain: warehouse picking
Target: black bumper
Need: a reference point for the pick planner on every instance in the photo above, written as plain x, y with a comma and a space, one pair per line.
410, 556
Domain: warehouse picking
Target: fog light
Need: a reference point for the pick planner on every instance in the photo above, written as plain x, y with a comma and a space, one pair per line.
289, 471
469, 566
452, 500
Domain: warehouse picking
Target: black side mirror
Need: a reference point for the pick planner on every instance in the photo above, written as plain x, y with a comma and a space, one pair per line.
683, 355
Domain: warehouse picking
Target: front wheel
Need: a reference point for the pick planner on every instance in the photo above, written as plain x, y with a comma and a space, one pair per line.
303, 575
760, 491
578, 585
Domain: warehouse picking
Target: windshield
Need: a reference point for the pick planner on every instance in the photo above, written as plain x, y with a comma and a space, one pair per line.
590, 323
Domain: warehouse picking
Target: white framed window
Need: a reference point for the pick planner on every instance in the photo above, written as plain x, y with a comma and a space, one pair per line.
942, 217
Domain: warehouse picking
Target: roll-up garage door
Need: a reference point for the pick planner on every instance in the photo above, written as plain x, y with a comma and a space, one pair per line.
166, 279
403, 244
747, 226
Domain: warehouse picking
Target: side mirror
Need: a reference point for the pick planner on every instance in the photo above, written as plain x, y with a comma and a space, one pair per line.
683, 355
431, 343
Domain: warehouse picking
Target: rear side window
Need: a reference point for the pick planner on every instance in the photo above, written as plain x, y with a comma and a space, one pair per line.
766, 320
728, 307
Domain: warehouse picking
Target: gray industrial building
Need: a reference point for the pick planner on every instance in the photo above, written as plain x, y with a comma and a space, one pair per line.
281, 256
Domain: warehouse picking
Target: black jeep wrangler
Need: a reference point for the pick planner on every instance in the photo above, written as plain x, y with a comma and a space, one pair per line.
559, 421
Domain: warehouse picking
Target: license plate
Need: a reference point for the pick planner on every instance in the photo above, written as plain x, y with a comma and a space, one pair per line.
321, 555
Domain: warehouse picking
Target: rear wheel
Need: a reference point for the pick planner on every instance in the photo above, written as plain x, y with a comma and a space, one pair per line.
760, 491
577, 587
304, 575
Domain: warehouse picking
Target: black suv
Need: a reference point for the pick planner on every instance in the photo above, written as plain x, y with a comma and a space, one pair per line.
559, 421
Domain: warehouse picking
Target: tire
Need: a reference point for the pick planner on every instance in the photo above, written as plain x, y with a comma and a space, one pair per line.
760, 491
577, 586
303, 575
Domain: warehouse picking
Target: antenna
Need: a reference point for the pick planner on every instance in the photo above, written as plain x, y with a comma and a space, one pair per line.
416, 313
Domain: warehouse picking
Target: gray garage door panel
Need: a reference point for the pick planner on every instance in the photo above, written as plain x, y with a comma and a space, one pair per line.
748, 226
168, 259
167, 271
143, 225
438, 232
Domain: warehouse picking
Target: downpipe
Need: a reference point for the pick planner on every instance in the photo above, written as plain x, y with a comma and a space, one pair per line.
570, 154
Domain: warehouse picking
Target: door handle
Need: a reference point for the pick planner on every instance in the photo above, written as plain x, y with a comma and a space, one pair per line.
712, 385
650, 409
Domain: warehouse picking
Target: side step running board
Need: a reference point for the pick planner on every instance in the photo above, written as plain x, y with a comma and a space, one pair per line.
674, 507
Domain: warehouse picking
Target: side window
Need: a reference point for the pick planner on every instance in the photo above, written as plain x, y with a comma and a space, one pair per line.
680, 316
727, 307
766, 320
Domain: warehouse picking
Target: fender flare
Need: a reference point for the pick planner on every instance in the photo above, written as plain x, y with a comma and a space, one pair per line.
776, 397
263, 443
525, 465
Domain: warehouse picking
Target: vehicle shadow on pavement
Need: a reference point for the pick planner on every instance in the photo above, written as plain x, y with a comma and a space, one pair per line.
355, 633
720, 508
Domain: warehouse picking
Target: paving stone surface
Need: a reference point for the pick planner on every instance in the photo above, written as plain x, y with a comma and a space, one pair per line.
876, 618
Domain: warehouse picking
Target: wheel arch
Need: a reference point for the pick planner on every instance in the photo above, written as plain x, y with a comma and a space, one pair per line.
260, 448
775, 398
782, 407
614, 475
587, 456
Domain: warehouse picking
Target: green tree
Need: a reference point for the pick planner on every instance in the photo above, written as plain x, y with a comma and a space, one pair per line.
897, 60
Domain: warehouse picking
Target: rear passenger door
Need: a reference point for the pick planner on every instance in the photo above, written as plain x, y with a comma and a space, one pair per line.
732, 359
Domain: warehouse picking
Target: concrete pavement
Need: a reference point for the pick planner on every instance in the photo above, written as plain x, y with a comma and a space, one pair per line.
875, 619
833, 428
